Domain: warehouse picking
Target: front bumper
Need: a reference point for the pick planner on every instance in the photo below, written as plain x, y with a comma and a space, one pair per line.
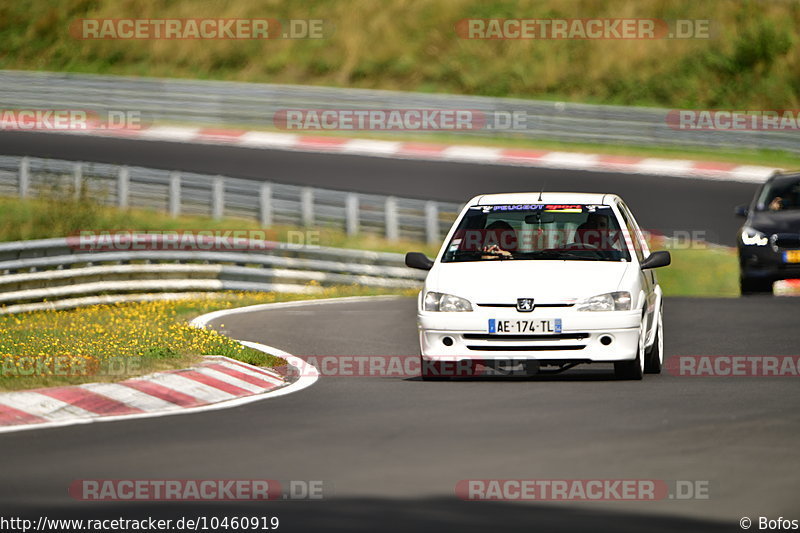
767, 263
579, 340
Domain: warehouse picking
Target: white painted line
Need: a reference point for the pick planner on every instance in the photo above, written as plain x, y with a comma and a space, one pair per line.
204, 320
270, 377
43, 406
472, 153
231, 380
258, 139
786, 288
751, 174
664, 166
570, 160
130, 397
370, 147
309, 374
167, 133
201, 391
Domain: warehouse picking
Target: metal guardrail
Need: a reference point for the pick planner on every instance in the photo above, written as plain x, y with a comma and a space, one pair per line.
65, 272
255, 105
217, 196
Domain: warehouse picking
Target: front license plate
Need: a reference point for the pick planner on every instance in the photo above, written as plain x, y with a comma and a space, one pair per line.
791, 256
521, 327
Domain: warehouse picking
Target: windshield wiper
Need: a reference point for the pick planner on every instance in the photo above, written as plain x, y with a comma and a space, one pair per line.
565, 254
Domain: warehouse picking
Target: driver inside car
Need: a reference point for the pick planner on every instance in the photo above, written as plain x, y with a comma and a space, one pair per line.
499, 233
594, 232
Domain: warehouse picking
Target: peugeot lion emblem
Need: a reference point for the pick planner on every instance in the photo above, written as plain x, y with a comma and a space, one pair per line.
525, 305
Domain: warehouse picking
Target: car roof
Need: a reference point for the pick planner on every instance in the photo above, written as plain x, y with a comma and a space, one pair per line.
784, 176
546, 197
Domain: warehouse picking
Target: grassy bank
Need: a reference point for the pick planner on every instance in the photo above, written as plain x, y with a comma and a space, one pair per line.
751, 59
116, 342
702, 272
51, 216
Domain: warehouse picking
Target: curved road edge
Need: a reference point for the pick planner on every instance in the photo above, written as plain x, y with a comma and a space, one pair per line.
84, 405
309, 374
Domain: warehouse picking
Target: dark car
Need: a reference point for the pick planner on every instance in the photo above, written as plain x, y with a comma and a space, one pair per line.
769, 241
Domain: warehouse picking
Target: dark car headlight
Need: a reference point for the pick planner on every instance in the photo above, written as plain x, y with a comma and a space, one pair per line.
753, 237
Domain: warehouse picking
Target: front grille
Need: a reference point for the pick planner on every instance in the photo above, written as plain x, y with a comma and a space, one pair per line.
786, 240
535, 305
492, 337
526, 348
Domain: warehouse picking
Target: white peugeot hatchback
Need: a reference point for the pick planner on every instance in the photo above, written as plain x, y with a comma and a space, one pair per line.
540, 282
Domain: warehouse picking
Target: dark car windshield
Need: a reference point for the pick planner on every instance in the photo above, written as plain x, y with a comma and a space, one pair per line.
574, 232
781, 194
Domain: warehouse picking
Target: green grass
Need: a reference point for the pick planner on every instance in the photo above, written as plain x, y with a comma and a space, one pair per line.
752, 59
52, 216
709, 272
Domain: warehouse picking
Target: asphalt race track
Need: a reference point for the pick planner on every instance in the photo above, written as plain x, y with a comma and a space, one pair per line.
390, 450
661, 204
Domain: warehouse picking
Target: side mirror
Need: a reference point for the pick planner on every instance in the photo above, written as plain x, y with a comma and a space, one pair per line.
418, 260
741, 211
656, 260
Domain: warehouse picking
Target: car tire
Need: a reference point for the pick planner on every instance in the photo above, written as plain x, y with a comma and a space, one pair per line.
430, 371
751, 286
632, 370
655, 355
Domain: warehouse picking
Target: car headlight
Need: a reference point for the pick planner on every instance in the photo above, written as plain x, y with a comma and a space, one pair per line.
437, 301
753, 237
611, 301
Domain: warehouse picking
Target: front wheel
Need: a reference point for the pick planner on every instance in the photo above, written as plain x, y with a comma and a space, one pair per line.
431, 370
633, 370
655, 355
750, 286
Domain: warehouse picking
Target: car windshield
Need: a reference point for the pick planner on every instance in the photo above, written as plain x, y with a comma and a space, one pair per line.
780, 195
574, 232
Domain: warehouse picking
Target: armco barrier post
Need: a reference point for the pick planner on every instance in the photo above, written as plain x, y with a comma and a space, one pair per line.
431, 222
266, 205
24, 177
307, 206
392, 228
77, 179
218, 197
174, 194
123, 182
351, 214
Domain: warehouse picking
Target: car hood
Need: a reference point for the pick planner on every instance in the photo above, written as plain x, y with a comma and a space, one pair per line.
776, 221
545, 281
